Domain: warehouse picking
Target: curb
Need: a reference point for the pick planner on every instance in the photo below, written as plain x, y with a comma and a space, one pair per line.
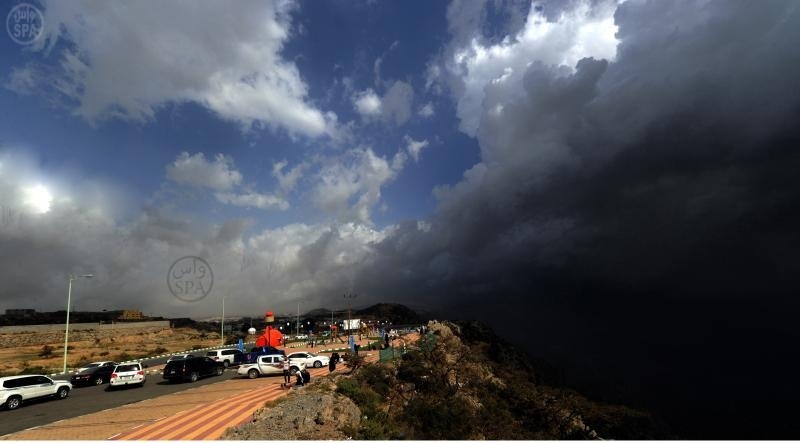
70, 370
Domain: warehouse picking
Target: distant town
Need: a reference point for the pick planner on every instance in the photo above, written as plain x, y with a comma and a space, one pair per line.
318, 320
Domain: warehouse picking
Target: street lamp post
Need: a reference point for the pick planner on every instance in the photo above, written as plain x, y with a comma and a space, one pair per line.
298, 318
349, 298
66, 328
222, 323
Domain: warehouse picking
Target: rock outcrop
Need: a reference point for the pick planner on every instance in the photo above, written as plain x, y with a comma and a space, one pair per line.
302, 415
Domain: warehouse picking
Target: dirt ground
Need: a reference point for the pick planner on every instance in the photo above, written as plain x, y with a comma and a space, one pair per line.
24, 350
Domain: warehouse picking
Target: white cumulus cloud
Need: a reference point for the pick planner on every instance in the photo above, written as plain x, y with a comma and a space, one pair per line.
367, 103
194, 170
253, 199
127, 60
351, 186
427, 110
587, 30
393, 107
414, 147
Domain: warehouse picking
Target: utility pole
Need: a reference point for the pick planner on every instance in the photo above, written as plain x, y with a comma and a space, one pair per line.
298, 318
69, 299
349, 298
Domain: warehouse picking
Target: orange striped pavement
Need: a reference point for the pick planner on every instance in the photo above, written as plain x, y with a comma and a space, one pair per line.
209, 422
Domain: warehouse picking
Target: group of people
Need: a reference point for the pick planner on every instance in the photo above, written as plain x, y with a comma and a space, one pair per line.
302, 377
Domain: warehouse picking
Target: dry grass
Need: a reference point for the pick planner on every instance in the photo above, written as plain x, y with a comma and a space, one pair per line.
19, 351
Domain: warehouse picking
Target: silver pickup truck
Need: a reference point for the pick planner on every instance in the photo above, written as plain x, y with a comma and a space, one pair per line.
270, 364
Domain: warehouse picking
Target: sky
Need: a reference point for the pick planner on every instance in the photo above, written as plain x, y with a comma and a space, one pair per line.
611, 184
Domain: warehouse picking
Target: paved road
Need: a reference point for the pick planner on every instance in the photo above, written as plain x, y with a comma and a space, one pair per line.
92, 399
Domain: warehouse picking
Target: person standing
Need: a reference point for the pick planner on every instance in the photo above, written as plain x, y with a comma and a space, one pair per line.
331, 364
287, 377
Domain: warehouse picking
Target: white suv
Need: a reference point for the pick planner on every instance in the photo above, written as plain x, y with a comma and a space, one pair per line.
14, 390
226, 356
127, 374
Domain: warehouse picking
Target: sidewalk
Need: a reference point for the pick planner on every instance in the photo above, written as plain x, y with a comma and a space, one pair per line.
201, 413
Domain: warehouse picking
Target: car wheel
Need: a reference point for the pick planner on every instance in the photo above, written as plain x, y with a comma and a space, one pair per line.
98, 381
317, 364
220, 371
193, 377
225, 363
252, 373
62, 393
13, 402
293, 370
141, 385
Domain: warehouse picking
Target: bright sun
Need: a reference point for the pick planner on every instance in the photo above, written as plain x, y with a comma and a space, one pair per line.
38, 198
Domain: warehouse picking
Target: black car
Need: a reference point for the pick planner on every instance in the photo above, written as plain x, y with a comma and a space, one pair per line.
192, 369
92, 376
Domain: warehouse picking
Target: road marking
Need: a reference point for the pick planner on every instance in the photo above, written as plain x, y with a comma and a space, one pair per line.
161, 430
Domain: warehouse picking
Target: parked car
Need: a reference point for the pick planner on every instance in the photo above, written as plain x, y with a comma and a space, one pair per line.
16, 389
94, 375
309, 358
180, 357
191, 369
269, 365
226, 356
301, 337
127, 374
97, 364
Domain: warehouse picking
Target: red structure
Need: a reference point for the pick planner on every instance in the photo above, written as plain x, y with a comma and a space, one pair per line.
271, 337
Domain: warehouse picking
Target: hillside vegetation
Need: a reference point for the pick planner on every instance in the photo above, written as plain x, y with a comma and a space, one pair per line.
462, 382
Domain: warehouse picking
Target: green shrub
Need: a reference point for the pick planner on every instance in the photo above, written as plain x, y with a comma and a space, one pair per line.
46, 352
363, 396
439, 418
353, 361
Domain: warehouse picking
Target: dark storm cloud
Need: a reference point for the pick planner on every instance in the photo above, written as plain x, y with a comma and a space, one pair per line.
635, 214
629, 169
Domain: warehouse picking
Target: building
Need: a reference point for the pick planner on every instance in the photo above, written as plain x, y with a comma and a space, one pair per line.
130, 314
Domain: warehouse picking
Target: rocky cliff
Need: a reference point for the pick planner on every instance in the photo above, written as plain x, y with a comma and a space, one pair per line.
457, 381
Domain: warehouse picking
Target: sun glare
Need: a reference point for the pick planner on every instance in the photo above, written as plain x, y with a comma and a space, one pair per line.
38, 198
